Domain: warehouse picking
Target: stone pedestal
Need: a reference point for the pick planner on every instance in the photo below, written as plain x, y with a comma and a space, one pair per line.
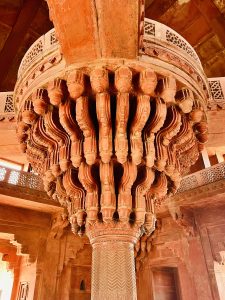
113, 265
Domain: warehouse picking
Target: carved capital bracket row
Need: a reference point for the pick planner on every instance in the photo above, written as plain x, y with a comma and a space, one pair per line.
110, 144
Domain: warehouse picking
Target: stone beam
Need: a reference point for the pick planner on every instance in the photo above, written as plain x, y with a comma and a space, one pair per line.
16, 36
88, 30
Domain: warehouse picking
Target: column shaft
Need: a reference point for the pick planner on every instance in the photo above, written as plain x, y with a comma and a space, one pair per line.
113, 271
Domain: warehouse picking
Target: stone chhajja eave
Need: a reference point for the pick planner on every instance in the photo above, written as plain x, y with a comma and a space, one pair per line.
195, 198
202, 195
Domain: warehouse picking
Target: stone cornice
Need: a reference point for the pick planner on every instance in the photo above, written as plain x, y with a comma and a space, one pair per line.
197, 197
27, 198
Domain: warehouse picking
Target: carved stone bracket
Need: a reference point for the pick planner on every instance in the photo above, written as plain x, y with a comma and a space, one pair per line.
94, 138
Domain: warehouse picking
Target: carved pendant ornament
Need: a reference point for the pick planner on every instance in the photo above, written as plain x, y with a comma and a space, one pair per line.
110, 145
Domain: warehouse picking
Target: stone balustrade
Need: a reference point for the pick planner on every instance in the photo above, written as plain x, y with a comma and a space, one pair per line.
156, 31
48, 43
160, 44
6, 105
41, 48
21, 178
38, 64
189, 182
203, 177
153, 31
217, 89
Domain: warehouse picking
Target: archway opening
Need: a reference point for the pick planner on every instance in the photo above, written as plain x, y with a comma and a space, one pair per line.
6, 279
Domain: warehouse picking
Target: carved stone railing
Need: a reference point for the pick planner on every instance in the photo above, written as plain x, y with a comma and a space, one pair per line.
152, 30
43, 59
160, 32
217, 89
163, 46
203, 177
20, 178
6, 105
189, 182
45, 45
38, 63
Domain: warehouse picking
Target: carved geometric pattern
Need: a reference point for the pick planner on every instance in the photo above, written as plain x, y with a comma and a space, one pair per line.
13, 177
6, 106
177, 41
30, 180
149, 28
32, 54
203, 177
188, 184
9, 107
216, 90
21, 178
2, 173
23, 291
53, 39
213, 174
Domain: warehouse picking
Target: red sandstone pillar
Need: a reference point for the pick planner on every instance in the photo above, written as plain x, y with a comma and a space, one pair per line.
99, 42
88, 30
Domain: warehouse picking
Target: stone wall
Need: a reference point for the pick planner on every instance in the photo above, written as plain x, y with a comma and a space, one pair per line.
27, 276
186, 258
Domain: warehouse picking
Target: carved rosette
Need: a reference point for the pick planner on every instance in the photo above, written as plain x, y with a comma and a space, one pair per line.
111, 141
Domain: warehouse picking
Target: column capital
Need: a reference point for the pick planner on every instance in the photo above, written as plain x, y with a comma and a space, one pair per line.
101, 232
